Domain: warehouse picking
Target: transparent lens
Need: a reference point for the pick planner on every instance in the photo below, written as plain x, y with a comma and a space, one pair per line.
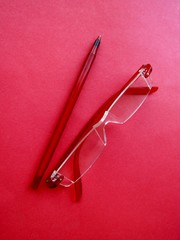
130, 101
82, 159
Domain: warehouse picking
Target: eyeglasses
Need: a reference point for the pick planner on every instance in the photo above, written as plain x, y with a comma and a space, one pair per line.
91, 142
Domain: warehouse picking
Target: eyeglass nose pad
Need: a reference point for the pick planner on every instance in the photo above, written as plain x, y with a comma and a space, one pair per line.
101, 133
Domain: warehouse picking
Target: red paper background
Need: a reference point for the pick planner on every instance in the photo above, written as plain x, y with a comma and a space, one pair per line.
133, 190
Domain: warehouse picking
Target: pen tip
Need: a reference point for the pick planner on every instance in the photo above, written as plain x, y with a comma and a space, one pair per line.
99, 37
97, 41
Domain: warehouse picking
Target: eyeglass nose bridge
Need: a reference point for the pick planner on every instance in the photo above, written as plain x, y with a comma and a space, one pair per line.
101, 120
99, 127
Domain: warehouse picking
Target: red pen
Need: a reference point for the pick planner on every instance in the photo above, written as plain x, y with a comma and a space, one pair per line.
66, 114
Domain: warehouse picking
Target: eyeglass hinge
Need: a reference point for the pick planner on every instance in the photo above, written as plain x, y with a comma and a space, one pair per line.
54, 179
146, 70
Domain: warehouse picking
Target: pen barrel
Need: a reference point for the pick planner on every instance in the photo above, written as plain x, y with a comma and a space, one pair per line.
65, 116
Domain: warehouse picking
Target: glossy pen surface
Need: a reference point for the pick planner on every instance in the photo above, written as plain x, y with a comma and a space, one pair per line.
66, 114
